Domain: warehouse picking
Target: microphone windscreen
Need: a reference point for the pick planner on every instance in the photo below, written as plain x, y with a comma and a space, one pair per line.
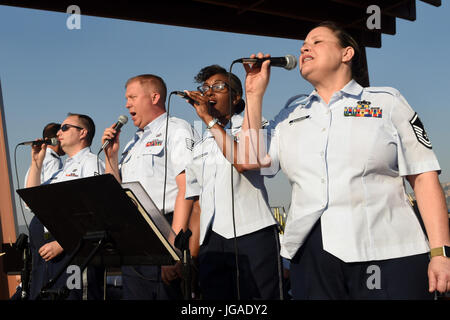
291, 62
123, 119
54, 141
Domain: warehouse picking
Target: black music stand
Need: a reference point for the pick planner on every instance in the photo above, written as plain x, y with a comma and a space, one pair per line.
17, 261
97, 221
12, 259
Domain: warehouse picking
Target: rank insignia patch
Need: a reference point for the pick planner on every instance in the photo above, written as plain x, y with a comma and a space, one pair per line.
363, 110
190, 144
419, 131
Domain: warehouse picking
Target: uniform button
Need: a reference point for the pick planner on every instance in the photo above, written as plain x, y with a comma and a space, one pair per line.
322, 180
324, 129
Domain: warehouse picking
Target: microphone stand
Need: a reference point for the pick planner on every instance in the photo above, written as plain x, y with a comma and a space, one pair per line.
182, 243
24, 248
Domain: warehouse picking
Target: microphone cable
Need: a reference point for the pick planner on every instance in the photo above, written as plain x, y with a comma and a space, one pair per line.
98, 162
232, 199
236, 251
165, 154
163, 211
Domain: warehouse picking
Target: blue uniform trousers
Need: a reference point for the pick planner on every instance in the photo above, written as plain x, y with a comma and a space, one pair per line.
316, 274
259, 266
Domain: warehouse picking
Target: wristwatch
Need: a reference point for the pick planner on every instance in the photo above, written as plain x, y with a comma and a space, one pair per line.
441, 251
212, 123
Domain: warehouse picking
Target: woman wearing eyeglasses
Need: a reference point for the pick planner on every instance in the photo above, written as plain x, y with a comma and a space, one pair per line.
217, 102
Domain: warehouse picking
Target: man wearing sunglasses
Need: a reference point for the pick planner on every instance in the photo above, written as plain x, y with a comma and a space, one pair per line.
144, 159
52, 163
75, 137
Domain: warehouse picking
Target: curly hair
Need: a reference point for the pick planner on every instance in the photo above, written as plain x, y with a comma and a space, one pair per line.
235, 83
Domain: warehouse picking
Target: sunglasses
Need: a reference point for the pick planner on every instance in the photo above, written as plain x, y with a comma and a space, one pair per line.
66, 127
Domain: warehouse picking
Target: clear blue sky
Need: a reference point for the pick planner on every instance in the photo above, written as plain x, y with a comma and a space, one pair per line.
47, 71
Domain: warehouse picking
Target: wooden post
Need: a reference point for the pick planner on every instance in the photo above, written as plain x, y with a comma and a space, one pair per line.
7, 205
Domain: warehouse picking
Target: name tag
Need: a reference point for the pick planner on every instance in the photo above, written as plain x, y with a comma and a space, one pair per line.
200, 156
299, 119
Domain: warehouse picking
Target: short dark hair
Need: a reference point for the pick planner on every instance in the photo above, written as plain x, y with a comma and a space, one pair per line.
51, 130
156, 81
87, 123
359, 72
235, 83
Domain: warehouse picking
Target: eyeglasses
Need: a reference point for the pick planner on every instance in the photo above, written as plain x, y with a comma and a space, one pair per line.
215, 87
66, 127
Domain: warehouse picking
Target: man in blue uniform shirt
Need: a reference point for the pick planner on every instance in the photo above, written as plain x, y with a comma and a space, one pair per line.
75, 137
143, 160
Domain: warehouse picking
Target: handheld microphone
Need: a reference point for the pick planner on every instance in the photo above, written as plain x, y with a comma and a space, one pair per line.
184, 96
51, 141
288, 62
122, 120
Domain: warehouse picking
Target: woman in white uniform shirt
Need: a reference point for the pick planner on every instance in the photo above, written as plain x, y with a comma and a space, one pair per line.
347, 150
208, 176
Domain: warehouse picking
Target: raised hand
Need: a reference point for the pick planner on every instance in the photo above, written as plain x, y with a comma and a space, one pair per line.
38, 154
112, 149
257, 77
202, 105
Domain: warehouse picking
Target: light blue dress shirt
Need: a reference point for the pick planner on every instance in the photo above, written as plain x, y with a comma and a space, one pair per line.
209, 176
143, 158
346, 162
81, 165
52, 163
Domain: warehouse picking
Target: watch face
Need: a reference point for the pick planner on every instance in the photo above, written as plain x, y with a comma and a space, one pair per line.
447, 251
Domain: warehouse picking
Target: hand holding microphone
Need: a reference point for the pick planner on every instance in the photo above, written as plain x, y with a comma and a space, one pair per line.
199, 101
288, 62
48, 141
110, 134
38, 150
184, 95
258, 75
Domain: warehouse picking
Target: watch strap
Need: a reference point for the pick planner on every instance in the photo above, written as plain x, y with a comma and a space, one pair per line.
440, 251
